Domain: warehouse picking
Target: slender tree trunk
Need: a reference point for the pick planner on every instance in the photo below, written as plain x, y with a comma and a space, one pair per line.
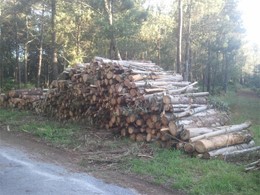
209, 69
179, 39
54, 47
26, 51
159, 48
187, 49
78, 33
1, 54
113, 49
225, 72
40, 48
18, 68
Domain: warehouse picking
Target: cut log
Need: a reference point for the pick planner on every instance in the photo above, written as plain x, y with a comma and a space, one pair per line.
240, 153
221, 141
222, 151
189, 147
221, 130
190, 112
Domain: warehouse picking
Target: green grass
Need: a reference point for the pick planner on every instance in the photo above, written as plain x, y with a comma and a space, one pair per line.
49, 130
196, 176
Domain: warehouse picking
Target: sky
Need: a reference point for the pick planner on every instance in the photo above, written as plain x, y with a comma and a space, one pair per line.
251, 15
250, 10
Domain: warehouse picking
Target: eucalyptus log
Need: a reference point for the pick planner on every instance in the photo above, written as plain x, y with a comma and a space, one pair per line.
222, 151
240, 153
222, 130
221, 141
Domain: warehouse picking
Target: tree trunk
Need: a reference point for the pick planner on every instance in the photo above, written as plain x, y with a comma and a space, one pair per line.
40, 48
209, 68
26, 51
113, 49
54, 37
18, 68
179, 61
224, 72
1, 56
187, 49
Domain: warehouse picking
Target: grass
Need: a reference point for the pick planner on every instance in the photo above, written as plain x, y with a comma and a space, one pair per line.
48, 130
196, 176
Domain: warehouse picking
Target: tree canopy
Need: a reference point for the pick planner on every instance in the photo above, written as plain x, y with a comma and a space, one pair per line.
38, 39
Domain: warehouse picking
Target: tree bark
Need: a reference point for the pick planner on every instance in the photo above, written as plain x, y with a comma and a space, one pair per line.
188, 47
221, 141
179, 60
18, 68
40, 48
113, 49
54, 40
222, 151
220, 131
1, 56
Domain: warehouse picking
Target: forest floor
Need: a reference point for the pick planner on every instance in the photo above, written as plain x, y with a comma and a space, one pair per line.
140, 166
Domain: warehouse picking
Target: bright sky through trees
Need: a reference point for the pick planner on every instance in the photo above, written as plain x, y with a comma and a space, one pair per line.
251, 16
249, 10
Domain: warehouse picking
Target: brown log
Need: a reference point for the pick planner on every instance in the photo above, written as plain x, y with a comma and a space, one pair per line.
18, 92
220, 141
189, 147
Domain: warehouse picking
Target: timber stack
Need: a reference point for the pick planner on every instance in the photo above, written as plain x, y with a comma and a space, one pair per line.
140, 100
22, 98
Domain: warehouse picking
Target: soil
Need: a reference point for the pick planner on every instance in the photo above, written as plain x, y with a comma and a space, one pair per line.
98, 153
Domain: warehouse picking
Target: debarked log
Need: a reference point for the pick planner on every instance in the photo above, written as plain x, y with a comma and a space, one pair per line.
222, 151
221, 141
195, 134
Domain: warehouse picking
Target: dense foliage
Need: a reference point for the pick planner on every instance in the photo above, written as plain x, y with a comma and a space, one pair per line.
38, 39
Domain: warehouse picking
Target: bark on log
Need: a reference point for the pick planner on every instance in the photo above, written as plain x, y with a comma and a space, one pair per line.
222, 151
222, 130
221, 141
240, 153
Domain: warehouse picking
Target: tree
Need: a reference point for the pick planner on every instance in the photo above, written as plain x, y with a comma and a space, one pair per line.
188, 45
40, 46
113, 49
54, 40
179, 50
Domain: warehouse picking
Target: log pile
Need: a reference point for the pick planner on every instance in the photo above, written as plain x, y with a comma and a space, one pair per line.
22, 98
141, 101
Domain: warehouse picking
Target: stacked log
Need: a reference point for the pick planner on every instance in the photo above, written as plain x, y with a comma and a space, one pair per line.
22, 98
219, 142
139, 100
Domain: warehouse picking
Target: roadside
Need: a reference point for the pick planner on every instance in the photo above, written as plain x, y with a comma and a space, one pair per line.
22, 175
89, 160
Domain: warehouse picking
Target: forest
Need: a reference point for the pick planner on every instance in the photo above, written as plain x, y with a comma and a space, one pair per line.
204, 40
